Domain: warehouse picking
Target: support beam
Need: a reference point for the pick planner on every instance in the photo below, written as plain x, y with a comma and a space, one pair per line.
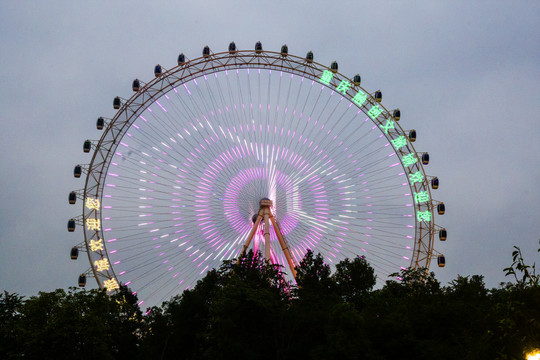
252, 233
284, 246
266, 214
267, 234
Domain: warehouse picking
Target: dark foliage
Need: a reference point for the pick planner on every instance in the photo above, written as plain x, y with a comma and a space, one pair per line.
75, 324
247, 309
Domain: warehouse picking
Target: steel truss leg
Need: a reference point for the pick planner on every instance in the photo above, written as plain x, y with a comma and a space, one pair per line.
266, 214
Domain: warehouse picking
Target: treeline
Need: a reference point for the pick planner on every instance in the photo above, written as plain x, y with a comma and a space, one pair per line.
247, 309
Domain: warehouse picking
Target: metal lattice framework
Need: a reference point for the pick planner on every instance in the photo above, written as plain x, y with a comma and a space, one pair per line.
168, 157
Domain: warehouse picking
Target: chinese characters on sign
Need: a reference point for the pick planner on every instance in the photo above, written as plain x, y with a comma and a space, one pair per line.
423, 215
92, 204
359, 98
93, 224
102, 264
416, 177
111, 284
399, 142
96, 245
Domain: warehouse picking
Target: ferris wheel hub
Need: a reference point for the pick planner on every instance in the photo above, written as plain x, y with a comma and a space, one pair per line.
265, 202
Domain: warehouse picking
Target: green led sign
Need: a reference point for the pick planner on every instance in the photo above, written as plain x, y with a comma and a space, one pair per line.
360, 98
343, 86
374, 112
326, 77
421, 197
390, 124
416, 177
409, 159
399, 142
423, 215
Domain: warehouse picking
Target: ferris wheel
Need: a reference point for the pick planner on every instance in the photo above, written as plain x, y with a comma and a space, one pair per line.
250, 149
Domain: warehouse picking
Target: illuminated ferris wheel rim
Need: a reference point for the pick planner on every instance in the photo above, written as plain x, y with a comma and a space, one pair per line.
166, 81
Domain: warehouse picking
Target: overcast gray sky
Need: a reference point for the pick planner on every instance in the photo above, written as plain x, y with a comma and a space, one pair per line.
464, 74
